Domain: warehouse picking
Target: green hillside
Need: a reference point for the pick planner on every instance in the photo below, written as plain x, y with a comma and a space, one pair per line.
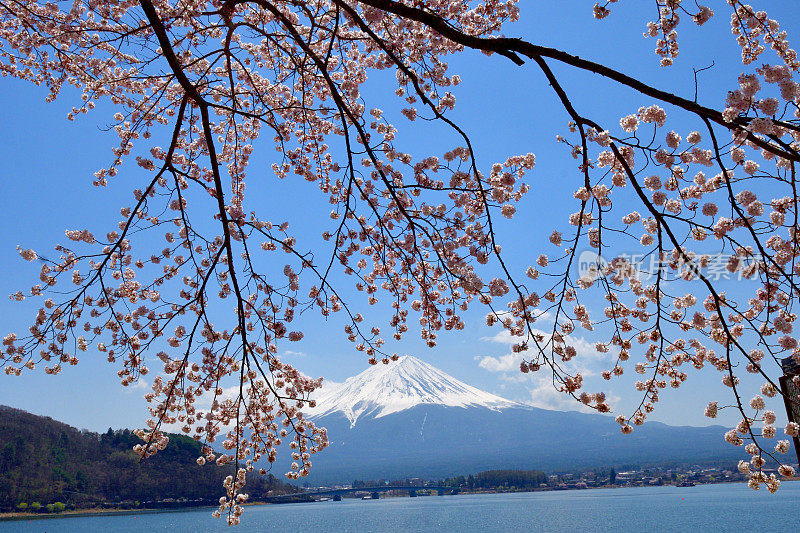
45, 461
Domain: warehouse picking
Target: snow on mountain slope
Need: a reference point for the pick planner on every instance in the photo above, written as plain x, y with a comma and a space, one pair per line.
385, 389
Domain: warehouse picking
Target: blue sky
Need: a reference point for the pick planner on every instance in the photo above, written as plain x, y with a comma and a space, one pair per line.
48, 166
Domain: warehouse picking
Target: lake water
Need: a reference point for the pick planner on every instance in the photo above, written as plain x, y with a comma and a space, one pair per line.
730, 507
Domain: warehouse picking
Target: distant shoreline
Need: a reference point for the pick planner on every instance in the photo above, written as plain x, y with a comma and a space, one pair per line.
9, 517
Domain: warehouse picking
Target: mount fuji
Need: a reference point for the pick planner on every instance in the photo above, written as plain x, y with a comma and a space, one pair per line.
382, 390
409, 419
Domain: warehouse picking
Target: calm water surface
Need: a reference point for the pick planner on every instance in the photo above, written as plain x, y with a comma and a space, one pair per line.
731, 507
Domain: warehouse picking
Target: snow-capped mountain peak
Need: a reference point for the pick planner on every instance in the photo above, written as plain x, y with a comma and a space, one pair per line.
385, 389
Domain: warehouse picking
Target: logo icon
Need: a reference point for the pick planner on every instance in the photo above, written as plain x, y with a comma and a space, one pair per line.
590, 266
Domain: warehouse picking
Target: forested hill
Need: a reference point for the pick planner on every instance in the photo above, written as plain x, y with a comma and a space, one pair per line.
46, 461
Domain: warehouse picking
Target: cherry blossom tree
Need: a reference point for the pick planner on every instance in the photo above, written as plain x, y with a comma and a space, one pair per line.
212, 77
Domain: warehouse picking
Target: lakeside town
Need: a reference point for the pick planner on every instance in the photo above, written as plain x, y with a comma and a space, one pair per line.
497, 481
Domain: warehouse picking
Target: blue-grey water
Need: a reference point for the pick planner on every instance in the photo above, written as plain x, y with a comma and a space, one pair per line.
729, 507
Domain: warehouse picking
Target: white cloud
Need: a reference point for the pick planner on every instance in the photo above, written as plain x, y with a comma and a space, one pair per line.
139, 384
516, 377
589, 361
545, 396
504, 363
502, 337
292, 353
